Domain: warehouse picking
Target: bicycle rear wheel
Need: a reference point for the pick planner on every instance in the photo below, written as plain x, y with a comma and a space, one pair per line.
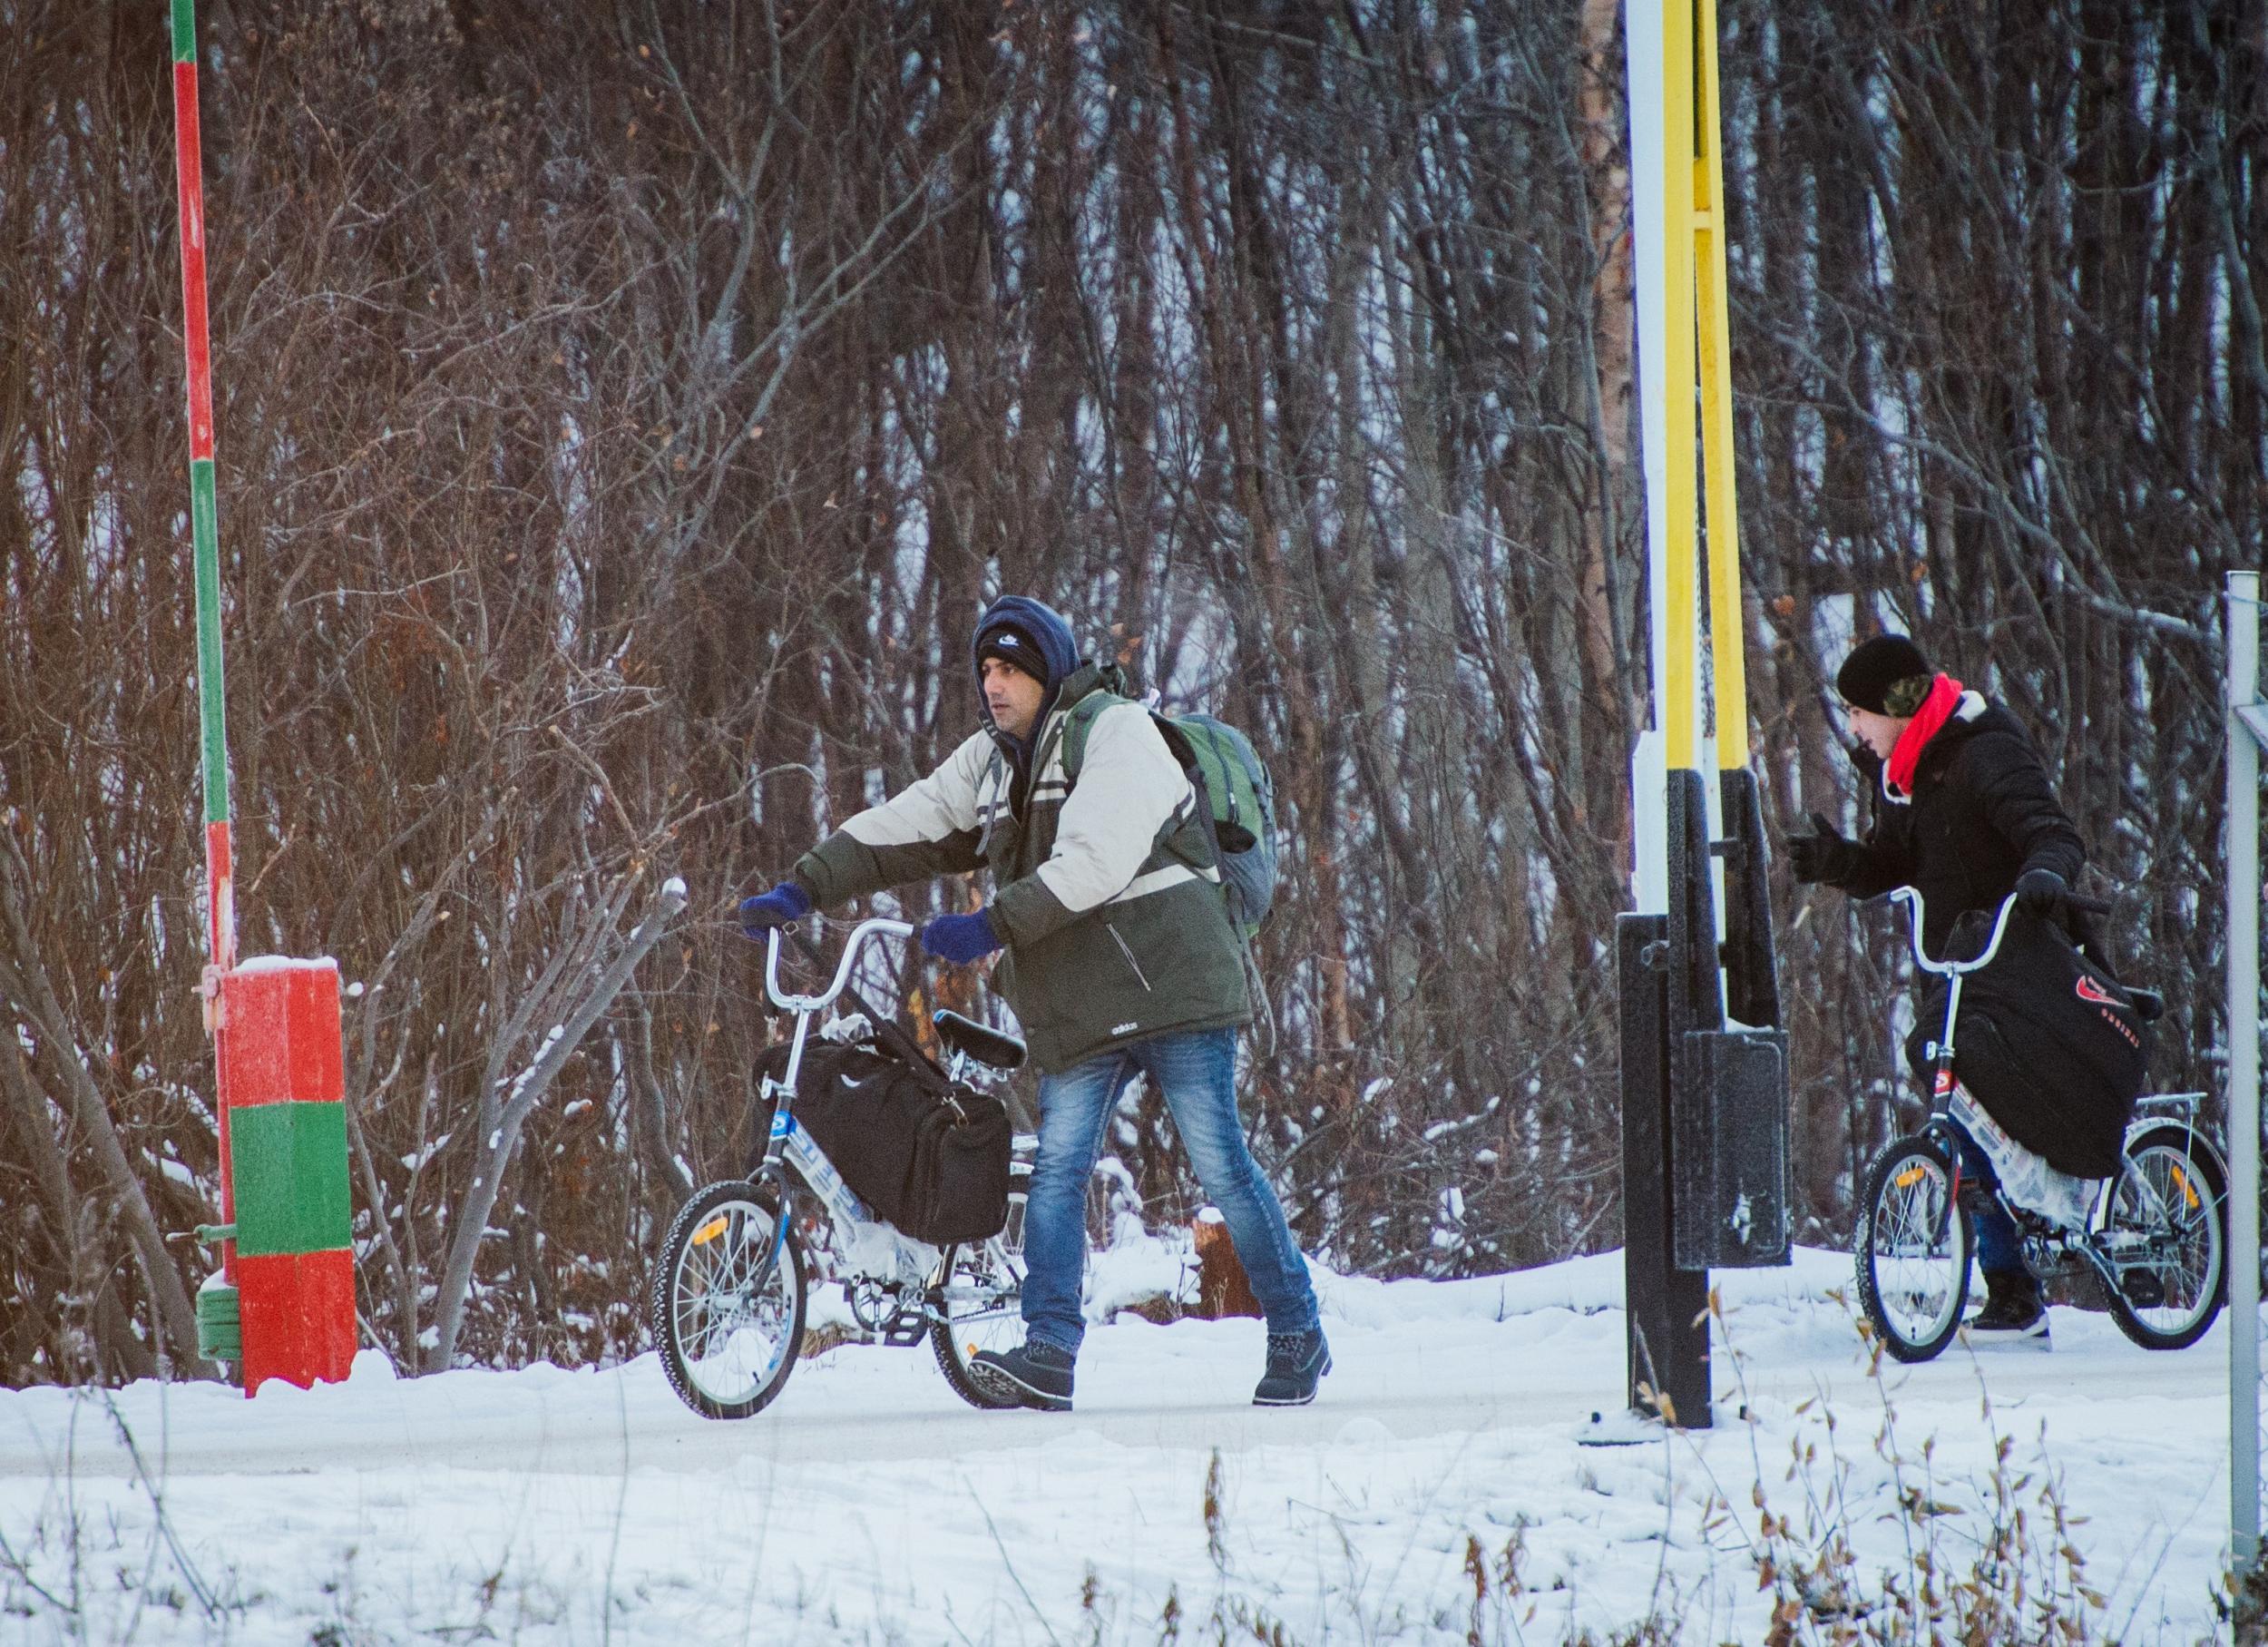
727, 1343
1913, 1248
980, 1308
2165, 1231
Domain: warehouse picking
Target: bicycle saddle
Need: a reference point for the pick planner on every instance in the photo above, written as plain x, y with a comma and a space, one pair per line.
980, 1041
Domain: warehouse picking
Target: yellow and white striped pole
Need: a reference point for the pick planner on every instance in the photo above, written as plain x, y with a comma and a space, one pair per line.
1728, 668
1703, 1104
1686, 400
1675, 536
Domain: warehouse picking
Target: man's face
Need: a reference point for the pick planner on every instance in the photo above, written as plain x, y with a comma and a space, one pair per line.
1878, 732
1012, 696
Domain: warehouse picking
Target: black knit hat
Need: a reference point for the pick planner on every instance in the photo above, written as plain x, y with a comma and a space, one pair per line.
1014, 646
1876, 676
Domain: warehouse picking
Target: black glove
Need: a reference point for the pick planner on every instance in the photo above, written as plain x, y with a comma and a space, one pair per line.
2041, 892
1823, 854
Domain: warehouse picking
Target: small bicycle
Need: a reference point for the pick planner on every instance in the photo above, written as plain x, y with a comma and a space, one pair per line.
2156, 1237
728, 1293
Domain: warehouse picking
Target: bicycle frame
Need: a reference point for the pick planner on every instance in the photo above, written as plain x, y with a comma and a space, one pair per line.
856, 1228
2153, 1236
806, 1007
1942, 1080
1957, 972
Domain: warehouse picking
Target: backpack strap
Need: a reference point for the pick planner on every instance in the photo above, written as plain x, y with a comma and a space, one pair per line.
989, 784
1080, 722
1193, 769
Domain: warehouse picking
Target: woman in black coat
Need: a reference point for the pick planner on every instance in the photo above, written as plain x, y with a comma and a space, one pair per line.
1964, 812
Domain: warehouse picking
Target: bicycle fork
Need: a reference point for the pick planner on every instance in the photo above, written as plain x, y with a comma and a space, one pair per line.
771, 1171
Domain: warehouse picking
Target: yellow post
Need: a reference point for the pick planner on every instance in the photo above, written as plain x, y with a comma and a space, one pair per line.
1705, 178
1682, 640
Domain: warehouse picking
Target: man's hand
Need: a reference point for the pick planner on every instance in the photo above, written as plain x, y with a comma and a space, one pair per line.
961, 938
1823, 854
783, 906
2041, 892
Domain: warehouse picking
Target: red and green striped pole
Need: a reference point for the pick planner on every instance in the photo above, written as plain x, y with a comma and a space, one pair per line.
203, 512
218, 1338
283, 1305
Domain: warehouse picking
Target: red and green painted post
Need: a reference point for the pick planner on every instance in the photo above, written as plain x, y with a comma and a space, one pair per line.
203, 509
283, 1304
283, 1097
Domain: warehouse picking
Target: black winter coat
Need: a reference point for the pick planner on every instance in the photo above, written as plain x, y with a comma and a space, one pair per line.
1982, 813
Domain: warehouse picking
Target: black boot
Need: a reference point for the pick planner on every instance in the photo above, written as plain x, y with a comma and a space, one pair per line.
2013, 1312
1035, 1372
1297, 1361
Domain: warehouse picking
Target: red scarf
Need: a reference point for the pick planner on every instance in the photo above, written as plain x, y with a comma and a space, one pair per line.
1936, 710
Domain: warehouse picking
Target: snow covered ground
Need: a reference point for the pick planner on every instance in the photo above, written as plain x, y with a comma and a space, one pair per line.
869, 1505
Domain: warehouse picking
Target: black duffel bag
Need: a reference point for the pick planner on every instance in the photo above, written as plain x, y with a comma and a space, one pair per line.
926, 1154
2051, 1044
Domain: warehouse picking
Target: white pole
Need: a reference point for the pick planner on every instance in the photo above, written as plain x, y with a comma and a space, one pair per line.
2243, 984
1642, 39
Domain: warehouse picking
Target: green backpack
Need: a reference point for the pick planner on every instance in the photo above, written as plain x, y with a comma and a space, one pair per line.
1239, 813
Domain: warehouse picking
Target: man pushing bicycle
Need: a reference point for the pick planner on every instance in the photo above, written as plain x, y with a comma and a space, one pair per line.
1963, 811
1122, 957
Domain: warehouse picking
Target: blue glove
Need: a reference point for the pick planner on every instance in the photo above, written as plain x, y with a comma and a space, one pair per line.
961, 938
782, 906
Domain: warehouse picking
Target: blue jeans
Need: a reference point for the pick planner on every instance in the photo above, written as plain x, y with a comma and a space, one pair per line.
1999, 1248
1197, 1072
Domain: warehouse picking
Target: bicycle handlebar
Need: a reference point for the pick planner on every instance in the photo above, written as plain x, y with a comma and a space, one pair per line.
875, 925
1911, 897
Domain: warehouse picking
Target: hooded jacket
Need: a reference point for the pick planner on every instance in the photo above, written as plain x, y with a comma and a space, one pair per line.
1035, 636
1982, 812
1105, 895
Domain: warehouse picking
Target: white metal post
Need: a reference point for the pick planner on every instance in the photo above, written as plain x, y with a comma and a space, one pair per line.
2244, 986
1642, 41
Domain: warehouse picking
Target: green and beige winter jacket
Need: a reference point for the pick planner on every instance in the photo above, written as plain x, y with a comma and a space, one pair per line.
1106, 898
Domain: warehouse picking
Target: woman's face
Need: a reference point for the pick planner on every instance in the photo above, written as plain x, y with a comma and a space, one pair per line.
1878, 732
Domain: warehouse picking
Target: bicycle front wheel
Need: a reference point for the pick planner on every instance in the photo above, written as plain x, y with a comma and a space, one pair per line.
980, 1307
2166, 1232
728, 1322
1913, 1248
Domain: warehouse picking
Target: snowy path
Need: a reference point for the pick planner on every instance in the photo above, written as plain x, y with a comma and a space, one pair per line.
869, 1504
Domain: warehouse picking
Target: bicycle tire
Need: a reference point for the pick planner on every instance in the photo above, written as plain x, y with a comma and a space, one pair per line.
2196, 1193
723, 1356
996, 1323
1913, 1250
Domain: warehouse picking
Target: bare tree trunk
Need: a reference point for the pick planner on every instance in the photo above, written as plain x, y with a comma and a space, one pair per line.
23, 981
504, 1112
